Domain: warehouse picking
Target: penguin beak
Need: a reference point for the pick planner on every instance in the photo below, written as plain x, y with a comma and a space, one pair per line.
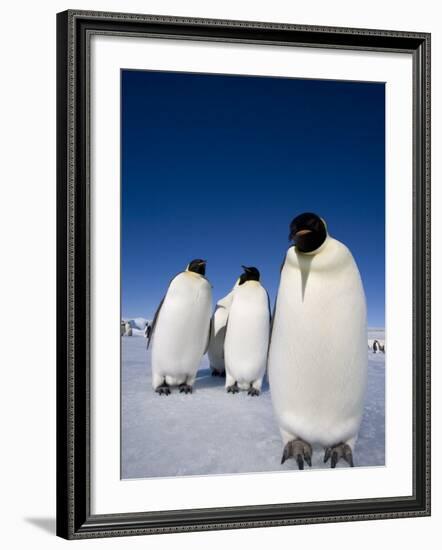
203, 262
302, 232
299, 233
245, 268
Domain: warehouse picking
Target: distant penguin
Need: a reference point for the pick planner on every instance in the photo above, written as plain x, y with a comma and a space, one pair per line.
217, 336
247, 334
122, 328
180, 330
128, 329
375, 346
317, 363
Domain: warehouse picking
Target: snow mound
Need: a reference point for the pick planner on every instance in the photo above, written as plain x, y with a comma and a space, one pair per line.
138, 323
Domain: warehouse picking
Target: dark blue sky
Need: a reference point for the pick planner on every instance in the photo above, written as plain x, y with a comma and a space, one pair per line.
216, 167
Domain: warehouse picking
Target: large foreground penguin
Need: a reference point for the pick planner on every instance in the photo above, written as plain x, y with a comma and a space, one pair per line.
318, 352
247, 334
180, 330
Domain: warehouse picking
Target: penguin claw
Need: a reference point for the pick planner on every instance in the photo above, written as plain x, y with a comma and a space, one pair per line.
185, 388
163, 390
348, 456
285, 454
300, 462
299, 450
342, 450
253, 391
233, 388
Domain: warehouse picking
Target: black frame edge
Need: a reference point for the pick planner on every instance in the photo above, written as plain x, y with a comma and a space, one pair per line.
62, 529
421, 269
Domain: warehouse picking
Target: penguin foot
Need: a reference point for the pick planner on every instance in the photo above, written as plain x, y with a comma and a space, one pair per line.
253, 391
233, 388
299, 450
163, 389
185, 388
218, 373
342, 450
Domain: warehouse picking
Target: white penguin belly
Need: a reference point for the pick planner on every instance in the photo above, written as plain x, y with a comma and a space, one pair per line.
217, 338
318, 354
181, 333
247, 335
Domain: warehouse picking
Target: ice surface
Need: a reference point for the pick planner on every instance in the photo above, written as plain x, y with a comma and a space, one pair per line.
212, 432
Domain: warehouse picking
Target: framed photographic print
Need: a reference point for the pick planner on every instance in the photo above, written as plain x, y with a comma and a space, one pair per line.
243, 274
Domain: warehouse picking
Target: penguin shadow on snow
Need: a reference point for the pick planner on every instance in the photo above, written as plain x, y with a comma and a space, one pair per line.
205, 380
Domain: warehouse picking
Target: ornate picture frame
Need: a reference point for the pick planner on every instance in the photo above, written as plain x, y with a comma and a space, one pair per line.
74, 517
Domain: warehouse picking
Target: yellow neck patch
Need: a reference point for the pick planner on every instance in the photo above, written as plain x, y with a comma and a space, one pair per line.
192, 274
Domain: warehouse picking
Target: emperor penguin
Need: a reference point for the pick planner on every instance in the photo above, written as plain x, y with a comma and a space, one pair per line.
217, 336
317, 364
180, 330
378, 346
247, 334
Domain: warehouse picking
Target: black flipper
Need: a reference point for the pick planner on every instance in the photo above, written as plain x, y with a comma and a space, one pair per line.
209, 334
269, 306
154, 322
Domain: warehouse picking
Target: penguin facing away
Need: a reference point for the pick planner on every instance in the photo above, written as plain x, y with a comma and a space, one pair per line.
180, 330
217, 336
247, 334
317, 362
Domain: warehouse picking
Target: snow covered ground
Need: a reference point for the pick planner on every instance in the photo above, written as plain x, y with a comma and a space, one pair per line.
212, 432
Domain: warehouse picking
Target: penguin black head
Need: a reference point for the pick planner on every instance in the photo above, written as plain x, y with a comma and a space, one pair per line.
308, 232
250, 274
197, 266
